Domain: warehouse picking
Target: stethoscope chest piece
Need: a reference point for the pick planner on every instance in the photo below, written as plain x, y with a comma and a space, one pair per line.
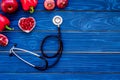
57, 20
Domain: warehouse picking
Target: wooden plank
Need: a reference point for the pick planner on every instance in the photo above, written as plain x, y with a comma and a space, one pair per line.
88, 5
84, 5
73, 21
60, 76
115, 4
96, 32
82, 42
69, 63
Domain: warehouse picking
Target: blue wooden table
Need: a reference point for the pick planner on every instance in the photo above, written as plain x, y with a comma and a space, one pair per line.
91, 37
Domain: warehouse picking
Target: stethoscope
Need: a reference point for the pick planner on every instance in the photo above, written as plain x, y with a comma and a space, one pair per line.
57, 20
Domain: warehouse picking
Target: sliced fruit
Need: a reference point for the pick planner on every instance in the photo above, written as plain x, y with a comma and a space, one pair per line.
3, 40
27, 24
49, 4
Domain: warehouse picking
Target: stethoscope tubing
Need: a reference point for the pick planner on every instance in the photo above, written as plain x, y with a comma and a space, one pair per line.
44, 55
57, 54
59, 51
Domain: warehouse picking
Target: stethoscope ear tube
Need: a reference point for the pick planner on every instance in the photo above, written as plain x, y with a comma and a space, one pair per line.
12, 53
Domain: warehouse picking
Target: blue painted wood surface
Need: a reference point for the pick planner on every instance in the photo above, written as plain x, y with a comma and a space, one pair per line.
91, 37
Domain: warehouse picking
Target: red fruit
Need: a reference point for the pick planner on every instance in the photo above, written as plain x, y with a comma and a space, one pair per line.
62, 3
4, 23
27, 24
3, 40
9, 6
29, 5
49, 4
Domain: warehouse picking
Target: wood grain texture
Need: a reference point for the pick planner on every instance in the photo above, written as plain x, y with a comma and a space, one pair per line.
90, 27
82, 5
87, 5
88, 41
69, 63
59, 76
73, 21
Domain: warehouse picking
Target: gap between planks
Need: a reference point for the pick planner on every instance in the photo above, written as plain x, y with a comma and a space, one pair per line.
70, 31
71, 52
79, 11
42, 72
76, 11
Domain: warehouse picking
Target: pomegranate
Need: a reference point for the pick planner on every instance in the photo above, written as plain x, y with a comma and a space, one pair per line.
62, 3
27, 24
3, 40
49, 4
